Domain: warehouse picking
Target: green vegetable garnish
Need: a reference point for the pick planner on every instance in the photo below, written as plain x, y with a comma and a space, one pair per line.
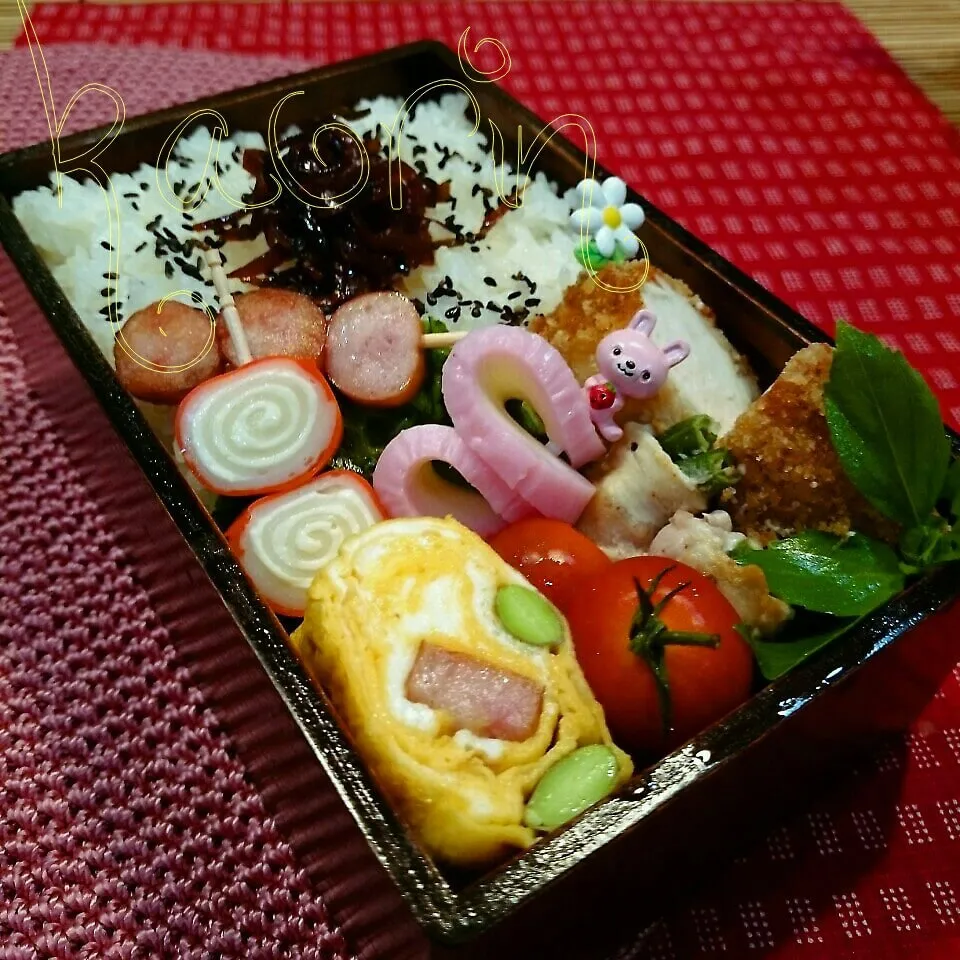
528, 418
885, 425
780, 656
712, 471
951, 491
688, 437
929, 545
528, 616
846, 576
429, 401
571, 785
690, 445
937, 539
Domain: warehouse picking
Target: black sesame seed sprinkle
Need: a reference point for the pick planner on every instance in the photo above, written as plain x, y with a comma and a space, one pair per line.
490, 281
188, 268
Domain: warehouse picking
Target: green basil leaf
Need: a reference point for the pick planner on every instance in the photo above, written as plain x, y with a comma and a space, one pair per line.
777, 657
885, 425
847, 577
948, 550
929, 545
951, 490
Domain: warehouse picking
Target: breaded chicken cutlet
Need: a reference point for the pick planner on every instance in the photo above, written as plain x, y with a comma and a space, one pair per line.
792, 478
714, 378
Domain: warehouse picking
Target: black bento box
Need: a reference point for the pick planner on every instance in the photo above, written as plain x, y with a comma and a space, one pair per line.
622, 857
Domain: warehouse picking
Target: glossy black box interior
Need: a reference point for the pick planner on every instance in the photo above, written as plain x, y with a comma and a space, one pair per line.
663, 821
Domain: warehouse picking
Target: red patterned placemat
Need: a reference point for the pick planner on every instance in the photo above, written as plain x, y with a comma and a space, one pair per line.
779, 133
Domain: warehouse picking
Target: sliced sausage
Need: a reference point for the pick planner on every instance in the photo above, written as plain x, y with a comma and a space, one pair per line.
478, 696
374, 355
178, 340
277, 323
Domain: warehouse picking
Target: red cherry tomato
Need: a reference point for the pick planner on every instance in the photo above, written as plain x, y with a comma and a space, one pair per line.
657, 684
553, 556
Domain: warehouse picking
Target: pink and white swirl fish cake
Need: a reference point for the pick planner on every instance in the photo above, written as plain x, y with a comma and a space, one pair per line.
284, 540
262, 428
630, 365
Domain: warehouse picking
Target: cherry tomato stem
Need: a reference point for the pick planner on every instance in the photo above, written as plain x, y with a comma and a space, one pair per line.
658, 645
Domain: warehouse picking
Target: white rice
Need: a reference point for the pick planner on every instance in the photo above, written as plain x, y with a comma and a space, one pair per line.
521, 266
527, 254
74, 238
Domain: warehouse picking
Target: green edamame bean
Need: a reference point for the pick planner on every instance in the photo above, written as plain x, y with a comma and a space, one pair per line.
528, 616
578, 781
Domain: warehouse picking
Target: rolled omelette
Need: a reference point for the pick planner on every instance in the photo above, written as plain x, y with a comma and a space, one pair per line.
456, 718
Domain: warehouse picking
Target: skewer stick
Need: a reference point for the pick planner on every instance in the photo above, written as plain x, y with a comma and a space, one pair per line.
439, 341
228, 308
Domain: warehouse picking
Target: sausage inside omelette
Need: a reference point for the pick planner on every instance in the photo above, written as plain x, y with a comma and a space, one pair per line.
457, 719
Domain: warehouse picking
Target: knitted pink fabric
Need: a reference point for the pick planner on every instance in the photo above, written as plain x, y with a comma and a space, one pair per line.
127, 826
